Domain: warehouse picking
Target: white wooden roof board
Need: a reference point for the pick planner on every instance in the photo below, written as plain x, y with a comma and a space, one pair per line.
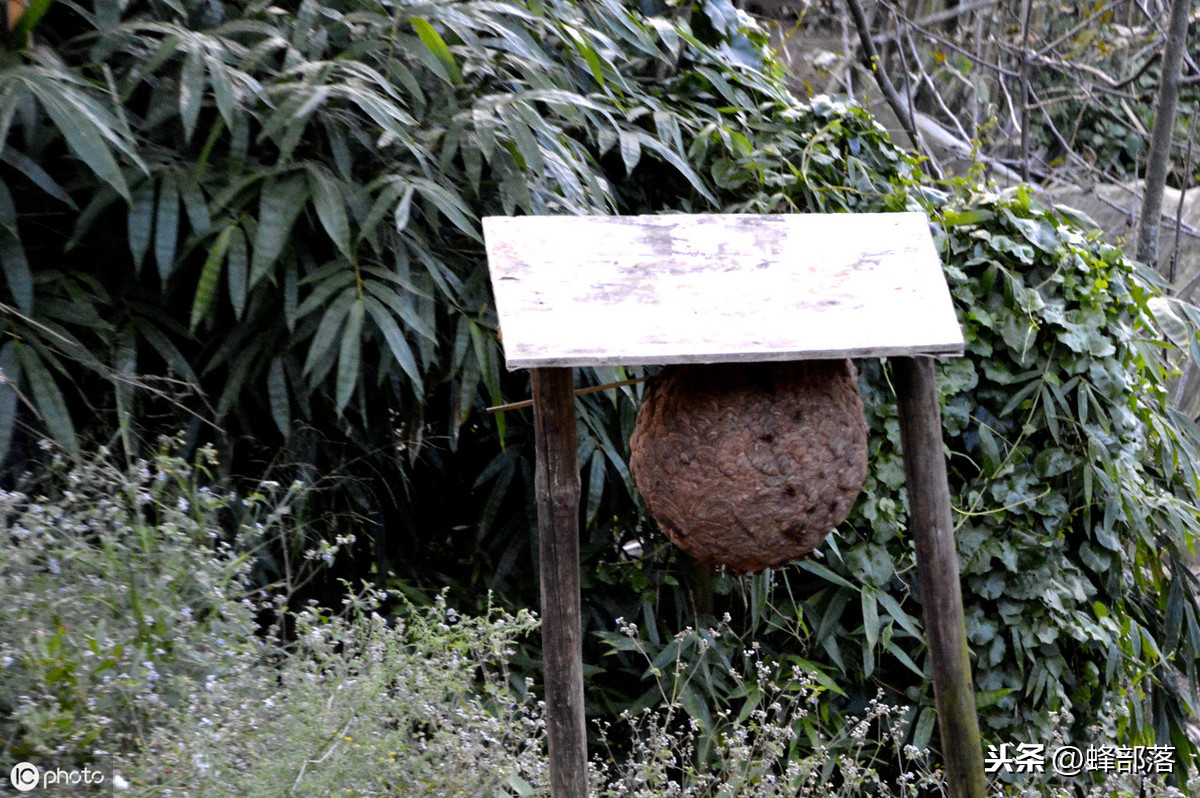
708, 288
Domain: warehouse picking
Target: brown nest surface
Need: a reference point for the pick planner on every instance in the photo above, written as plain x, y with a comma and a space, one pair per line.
751, 465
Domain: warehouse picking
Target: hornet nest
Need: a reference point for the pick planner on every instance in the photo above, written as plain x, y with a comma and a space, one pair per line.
751, 465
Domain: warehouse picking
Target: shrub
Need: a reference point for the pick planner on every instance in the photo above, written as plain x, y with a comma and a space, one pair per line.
128, 629
418, 706
121, 593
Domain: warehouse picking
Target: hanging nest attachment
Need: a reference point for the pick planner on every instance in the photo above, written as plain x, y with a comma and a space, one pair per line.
751, 465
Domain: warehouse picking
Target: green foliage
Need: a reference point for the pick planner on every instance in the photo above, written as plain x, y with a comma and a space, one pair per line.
121, 595
415, 706
290, 255
1075, 472
1109, 130
1073, 478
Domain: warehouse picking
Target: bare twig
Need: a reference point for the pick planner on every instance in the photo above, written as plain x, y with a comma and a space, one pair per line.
1183, 189
1025, 91
323, 757
1188, 287
919, 143
953, 12
952, 46
870, 58
1090, 19
1184, 229
924, 77
848, 80
578, 392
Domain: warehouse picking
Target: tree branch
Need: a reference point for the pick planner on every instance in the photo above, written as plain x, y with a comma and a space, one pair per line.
1158, 161
870, 58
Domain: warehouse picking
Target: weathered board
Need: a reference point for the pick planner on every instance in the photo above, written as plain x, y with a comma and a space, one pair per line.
706, 288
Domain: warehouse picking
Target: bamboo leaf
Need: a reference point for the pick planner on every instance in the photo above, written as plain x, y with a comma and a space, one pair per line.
222, 86
331, 208
238, 271
195, 205
277, 394
450, 204
870, 611
206, 288
524, 138
590, 56
191, 91
165, 348
631, 150
16, 269
674, 159
485, 130
923, 731
897, 614
379, 208
85, 138
124, 372
396, 342
48, 400
239, 369
291, 295
330, 284
140, 221
404, 208
166, 226
8, 209
436, 45
280, 203
327, 331
403, 308
10, 381
36, 174
350, 356
596, 473
820, 570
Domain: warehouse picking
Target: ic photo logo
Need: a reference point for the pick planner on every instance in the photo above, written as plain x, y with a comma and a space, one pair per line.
24, 776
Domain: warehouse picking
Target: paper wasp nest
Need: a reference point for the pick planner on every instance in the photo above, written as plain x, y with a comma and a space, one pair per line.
751, 465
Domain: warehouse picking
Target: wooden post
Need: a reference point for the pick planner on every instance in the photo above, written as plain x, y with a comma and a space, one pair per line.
557, 486
937, 574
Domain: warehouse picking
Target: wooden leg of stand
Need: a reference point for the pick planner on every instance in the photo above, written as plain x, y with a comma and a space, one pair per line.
557, 485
